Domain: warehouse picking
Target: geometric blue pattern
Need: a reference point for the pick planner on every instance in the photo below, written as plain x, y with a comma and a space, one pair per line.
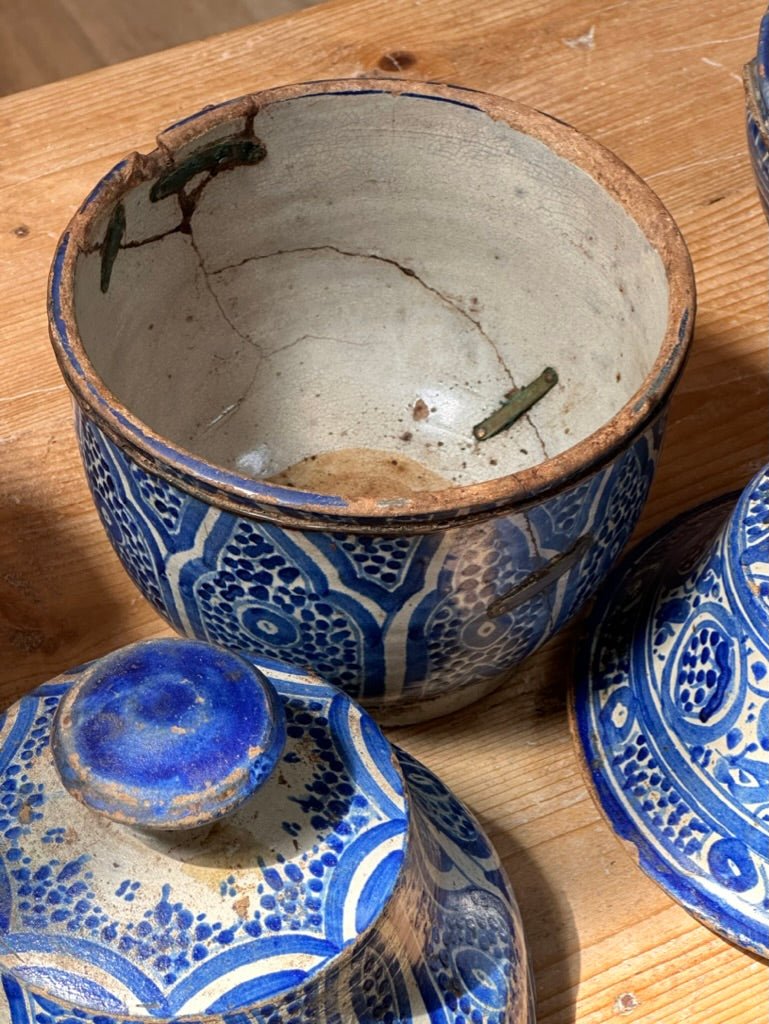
389, 619
672, 710
98, 922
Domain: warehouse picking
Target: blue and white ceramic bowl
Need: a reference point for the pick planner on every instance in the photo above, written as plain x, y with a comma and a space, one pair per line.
671, 711
345, 883
285, 329
757, 102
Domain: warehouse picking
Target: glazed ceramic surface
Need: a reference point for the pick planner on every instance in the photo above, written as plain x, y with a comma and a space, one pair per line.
757, 92
284, 326
672, 711
349, 886
397, 621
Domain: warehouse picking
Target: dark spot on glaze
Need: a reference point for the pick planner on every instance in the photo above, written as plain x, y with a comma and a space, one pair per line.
396, 60
419, 410
21, 231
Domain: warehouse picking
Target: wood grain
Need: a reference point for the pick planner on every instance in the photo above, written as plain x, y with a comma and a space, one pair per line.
44, 40
658, 83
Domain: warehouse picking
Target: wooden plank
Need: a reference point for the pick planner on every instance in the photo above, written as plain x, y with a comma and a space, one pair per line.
658, 83
46, 40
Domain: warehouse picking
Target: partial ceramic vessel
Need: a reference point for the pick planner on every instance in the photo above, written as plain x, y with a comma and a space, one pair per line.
757, 103
671, 711
345, 884
281, 327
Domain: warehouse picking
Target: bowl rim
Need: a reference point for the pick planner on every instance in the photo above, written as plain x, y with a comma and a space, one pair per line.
241, 494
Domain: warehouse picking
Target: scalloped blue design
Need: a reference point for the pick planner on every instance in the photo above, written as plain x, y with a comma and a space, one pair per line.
672, 711
466, 957
389, 619
160, 949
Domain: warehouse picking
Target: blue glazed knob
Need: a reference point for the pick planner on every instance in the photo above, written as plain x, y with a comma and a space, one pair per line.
168, 734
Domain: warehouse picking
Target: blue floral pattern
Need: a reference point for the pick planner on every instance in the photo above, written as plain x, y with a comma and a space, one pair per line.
243, 930
672, 707
392, 620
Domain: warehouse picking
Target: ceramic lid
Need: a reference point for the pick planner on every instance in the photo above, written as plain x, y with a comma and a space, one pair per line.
671, 710
123, 887
761, 63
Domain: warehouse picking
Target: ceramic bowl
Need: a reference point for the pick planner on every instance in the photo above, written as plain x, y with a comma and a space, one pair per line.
757, 103
287, 329
188, 838
671, 711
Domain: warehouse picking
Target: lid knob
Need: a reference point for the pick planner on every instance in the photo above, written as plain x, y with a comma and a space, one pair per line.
168, 734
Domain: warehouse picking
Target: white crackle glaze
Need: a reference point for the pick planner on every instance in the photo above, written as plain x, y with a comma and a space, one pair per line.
379, 281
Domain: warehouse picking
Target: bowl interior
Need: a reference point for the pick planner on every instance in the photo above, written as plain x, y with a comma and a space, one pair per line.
334, 292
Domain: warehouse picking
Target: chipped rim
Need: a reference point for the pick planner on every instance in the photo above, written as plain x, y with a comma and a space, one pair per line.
295, 507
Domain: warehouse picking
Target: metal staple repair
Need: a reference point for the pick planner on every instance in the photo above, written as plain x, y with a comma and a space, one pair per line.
518, 401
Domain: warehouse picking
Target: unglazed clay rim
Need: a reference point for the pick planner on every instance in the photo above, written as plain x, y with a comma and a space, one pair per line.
751, 81
761, 60
226, 489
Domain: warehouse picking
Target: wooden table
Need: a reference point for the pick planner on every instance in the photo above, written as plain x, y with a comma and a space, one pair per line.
659, 84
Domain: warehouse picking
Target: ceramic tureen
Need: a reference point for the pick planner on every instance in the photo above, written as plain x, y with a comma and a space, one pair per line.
185, 837
372, 376
671, 711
